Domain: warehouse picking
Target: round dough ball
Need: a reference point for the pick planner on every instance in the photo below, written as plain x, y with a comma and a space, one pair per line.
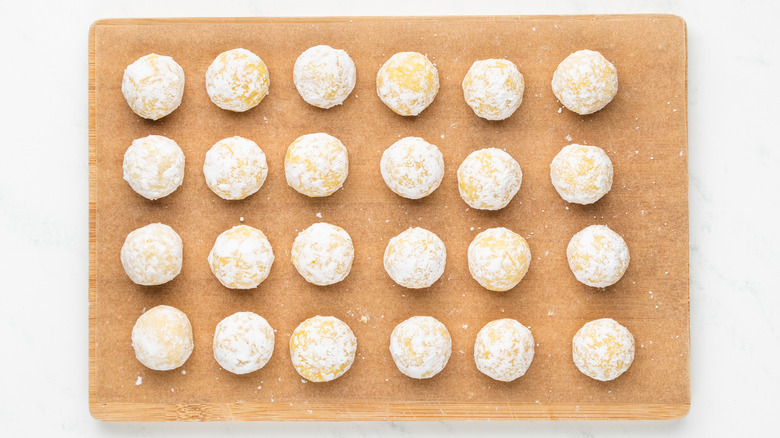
598, 256
162, 338
316, 165
407, 83
324, 76
581, 174
243, 342
415, 258
585, 82
241, 257
412, 167
421, 347
235, 168
498, 259
493, 88
322, 348
323, 254
152, 255
237, 80
488, 179
154, 166
603, 349
504, 350
153, 86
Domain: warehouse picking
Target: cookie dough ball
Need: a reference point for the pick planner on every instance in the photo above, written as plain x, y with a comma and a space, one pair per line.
421, 347
488, 179
237, 80
235, 168
493, 88
504, 350
153, 86
152, 255
581, 174
598, 256
415, 258
603, 349
412, 167
316, 165
585, 82
154, 166
162, 338
407, 83
498, 259
241, 257
243, 342
322, 348
324, 76
323, 254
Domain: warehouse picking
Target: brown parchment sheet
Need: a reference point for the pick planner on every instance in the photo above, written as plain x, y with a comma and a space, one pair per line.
643, 130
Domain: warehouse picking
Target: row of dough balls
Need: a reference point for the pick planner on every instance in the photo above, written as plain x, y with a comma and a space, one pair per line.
238, 80
322, 348
317, 165
498, 258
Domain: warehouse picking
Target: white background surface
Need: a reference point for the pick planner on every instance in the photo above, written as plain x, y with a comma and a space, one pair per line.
734, 154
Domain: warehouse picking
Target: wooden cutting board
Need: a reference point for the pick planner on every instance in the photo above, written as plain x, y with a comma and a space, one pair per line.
644, 131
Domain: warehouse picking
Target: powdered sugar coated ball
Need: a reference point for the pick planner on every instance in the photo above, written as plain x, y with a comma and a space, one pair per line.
598, 256
162, 338
241, 257
324, 76
153, 86
504, 350
581, 174
603, 349
415, 258
154, 166
322, 348
498, 259
585, 82
235, 168
488, 179
412, 167
152, 255
493, 88
243, 342
237, 80
323, 254
407, 83
421, 347
316, 165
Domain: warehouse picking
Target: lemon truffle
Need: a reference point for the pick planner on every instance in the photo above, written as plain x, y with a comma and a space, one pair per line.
415, 258
597, 256
407, 83
488, 179
603, 349
237, 80
498, 259
241, 257
152, 255
412, 167
581, 174
504, 350
243, 342
162, 338
493, 88
154, 166
235, 168
322, 348
153, 86
324, 76
585, 82
323, 254
316, 165
421, 347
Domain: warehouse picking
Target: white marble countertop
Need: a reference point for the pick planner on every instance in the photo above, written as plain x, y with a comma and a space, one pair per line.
734, 74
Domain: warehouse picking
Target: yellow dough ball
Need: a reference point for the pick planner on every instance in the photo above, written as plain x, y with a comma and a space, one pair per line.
241, 257
598, 256
324, 76
421, 347
412, 167
504, 350
415, 258
235, 168
237, 80
493, 88
407, 83
581, 174
322, 348
152, 255
162, 338
316, 165
323, 254
153, 86
154, 166
243, 342
603, 349
585, 82
488, 179
498, 259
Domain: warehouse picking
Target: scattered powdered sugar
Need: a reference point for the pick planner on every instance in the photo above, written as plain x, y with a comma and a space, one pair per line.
138, 381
